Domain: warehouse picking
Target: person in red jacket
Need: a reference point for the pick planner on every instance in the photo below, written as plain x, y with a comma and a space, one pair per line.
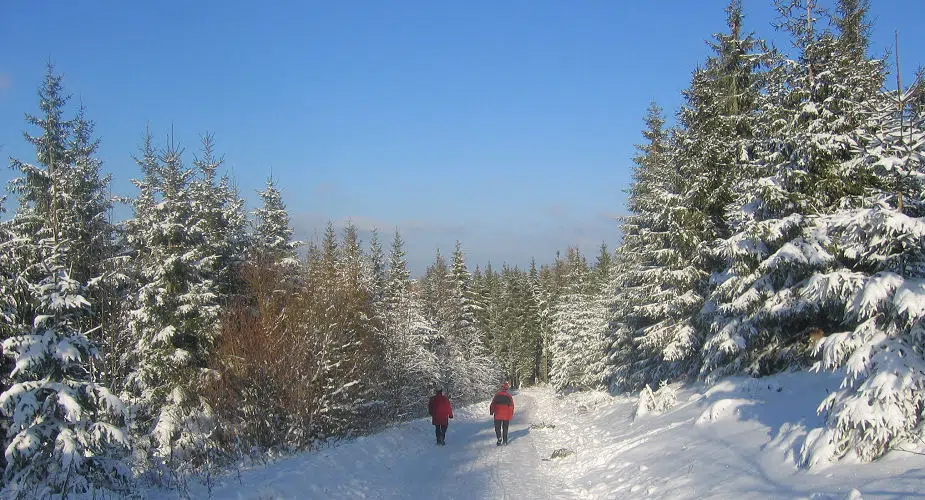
440, 412
502, 407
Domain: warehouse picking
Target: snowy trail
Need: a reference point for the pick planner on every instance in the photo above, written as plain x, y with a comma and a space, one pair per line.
404, 462
736, 439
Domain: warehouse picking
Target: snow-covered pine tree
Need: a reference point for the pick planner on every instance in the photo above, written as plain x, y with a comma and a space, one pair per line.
476, 373
505, 322
272, 231
175, 314
361, 326
508, 326
220, 212
878, 287
65, 192
341, 341
435, 299
516, 324
490, 318
271, 239
651, 312
378, 273
260, 398
407, 338
94, 254
85, 218
551, 286
467, 372
717, 122
53, 250
756, 314
434, 293
531, 341
66, 433
578, 330
37, 188
600, 273
39, 185
544, 314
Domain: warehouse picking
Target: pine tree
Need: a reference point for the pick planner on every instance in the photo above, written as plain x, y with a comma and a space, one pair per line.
508, 324
84, 218
877, 288
39, 186
578, 325
478, 374
175, 312
652, 329
602, 267
811, 108
272, 231
532, 341
222, 220
398, 278
489, 317
66, 433
54, 250
64, 196
359, 323
466, 369
716, 142
408, 336
377, 272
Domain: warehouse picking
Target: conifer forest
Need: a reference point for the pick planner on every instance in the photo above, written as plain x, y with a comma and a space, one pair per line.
775, 222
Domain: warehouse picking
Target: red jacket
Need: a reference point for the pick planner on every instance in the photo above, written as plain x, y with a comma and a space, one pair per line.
502, 406
440, 410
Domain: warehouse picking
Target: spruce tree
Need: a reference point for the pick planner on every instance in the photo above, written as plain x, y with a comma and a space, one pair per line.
174, 316
479, 370
876, 286
652, 313
222, 220
407, 339
272, 232
799, 169
66, 433
578, 326
64, 196
54, 250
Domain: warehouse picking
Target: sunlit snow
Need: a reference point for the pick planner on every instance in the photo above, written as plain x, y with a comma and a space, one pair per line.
740, 439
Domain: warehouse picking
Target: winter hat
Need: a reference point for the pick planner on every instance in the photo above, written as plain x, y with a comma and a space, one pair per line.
504, 386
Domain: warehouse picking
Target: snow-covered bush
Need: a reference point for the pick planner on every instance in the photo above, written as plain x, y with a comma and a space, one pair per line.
656, 402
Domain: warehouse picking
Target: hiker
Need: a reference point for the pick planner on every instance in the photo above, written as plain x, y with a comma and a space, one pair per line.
502, 407
441, 412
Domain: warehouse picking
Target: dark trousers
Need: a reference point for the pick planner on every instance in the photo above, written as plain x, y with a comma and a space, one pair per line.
501, 429
441, 432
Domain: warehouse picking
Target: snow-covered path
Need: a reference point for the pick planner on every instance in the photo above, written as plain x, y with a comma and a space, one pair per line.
404, 462
737, 439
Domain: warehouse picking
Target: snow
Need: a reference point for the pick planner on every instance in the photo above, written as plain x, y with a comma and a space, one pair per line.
740, 438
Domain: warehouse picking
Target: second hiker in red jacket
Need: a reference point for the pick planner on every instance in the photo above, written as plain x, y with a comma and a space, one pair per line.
441, 412
502, 407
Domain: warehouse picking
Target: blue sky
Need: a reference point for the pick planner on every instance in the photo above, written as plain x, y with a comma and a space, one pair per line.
506, 125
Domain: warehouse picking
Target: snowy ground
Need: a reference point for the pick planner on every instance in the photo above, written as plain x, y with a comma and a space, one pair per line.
735, 440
